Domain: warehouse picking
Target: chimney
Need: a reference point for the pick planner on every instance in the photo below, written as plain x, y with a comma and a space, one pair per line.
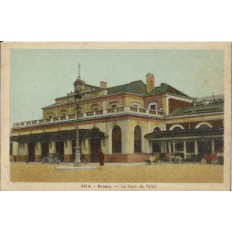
103, 85
150, 81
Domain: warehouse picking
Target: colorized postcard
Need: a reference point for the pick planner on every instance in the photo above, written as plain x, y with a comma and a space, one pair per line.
115, 116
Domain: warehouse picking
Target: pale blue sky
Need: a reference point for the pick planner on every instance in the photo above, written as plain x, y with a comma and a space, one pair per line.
38, 76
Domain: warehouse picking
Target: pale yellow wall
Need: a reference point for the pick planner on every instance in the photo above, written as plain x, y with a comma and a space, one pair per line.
68, 147
15, 148
129, 100
52, 147
104, 103
38, 148
195, 119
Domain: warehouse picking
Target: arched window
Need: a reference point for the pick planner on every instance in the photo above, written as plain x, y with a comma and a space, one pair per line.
176, 127
116, 140
137, 139
203, 125
156, 129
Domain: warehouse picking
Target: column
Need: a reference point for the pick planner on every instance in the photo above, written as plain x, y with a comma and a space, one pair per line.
169, 147
103, 145
162, 147
26, 151
185, 150
174, 147
127, 137
165, 147
38, 151
146, 146
195, 147
213, 146
52, 147
15, 150
150, 143
67, 151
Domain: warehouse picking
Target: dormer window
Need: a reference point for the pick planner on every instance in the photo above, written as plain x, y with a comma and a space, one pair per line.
50, 116
94, 107
135, 104
113, 104
152, 106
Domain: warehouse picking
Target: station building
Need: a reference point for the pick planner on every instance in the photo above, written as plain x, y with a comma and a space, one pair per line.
128, 122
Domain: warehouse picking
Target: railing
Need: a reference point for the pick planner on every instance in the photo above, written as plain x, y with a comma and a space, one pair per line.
98, 113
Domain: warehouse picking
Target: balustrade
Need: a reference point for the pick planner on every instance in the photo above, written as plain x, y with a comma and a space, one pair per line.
125, 110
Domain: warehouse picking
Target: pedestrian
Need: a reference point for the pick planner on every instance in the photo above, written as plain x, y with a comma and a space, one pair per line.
101, 157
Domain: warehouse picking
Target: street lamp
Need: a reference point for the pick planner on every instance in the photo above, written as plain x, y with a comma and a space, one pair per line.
78, 86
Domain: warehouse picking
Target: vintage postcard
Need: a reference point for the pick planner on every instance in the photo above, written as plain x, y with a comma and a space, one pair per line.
115, 116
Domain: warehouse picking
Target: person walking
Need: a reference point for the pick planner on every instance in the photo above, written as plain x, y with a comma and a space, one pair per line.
101, 157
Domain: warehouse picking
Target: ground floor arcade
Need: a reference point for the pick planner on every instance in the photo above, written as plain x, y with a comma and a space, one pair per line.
186, 143
35, 147
117, 144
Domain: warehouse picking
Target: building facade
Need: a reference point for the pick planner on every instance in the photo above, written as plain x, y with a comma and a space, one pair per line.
128, 122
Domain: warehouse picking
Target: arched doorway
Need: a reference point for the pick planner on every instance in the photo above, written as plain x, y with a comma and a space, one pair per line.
116, 140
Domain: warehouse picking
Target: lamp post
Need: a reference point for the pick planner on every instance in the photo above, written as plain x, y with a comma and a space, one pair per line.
78, 86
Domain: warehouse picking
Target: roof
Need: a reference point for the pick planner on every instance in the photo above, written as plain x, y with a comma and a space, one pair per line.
93, 86
93, 133
216, 107
137, 87
165, 88
180, 134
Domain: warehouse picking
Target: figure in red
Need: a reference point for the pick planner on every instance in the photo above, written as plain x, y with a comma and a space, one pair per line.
101, 157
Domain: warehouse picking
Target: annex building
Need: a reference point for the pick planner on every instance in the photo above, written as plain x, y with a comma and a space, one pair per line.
128, 122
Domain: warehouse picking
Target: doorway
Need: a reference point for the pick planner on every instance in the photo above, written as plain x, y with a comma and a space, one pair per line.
60, 149
95, 145
31, 152
45, 148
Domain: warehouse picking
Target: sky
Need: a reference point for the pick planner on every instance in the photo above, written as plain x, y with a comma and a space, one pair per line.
38, 76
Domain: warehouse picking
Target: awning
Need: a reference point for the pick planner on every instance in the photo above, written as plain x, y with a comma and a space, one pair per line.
194, 134
94, 133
